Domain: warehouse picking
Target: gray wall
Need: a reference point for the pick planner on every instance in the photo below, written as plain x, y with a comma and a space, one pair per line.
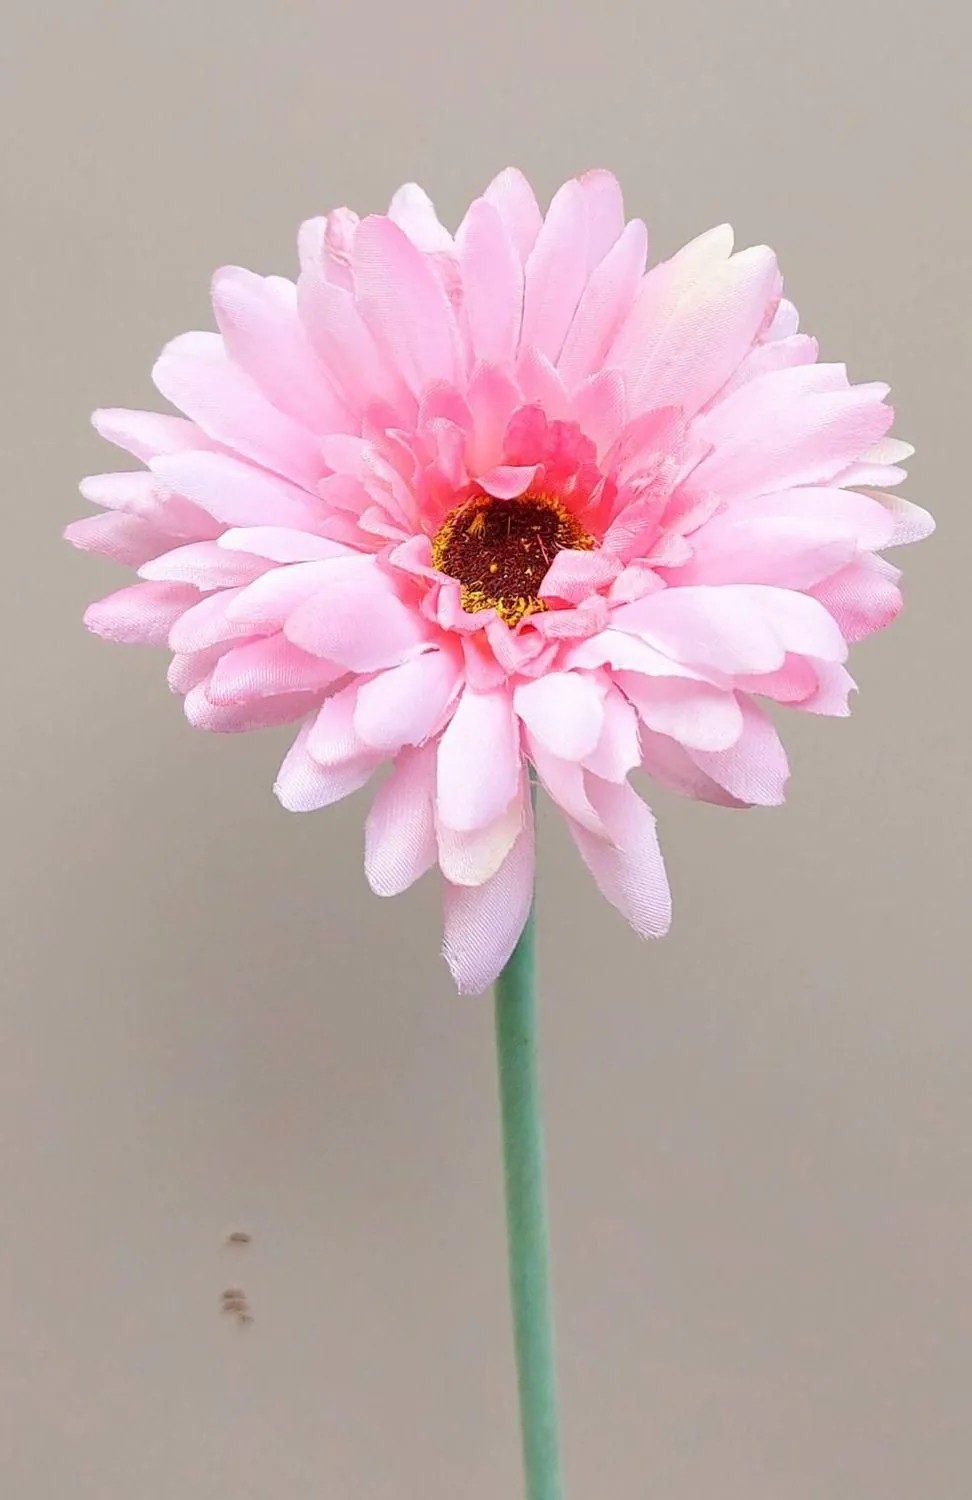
759, 1128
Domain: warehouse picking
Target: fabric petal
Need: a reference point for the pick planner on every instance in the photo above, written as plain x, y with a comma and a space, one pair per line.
280, 544
359, 621
241, 718
696, 714
266, 668
709, 331
237, 493
131, 540
263, 335
404, 705
660, 294
403, 303
400, 829
195, 373
482, 924
556, 272
606, 299
147, 434
142, 614
206, 565
804, 442
861, 598
629, 871
672, 766
512, 197
564, 711
207, 623
492, 280
755, 768
618, 751
303, 785
479, 761
413, 211
475, 857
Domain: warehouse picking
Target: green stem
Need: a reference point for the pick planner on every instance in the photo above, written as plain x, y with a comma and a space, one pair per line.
526, 1215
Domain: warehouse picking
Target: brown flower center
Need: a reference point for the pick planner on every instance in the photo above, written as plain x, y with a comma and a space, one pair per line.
500, 550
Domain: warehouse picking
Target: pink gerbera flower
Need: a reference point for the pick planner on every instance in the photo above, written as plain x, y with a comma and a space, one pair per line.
466, 505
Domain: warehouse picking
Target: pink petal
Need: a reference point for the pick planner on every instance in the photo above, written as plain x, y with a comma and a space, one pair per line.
623, 652
264, 336
766, 359
241, 718
556, 272
708, 333
507, 481
400, 828
404, 705
131, 540
861, 598
492, 398
195, 374
237, 493
271, 599
403, 303
206, 565
303, 786
564, 711
413, 211
473, 858
835, 513
604, 303
281, 544
600, 407
324, 245
696, 714
618, 751
492, 279
732, 628
794, 681
808, 441
267, 668
909, 522
604, 212
141, 614
755, 768
185, 671
136, 493
572, 576
792, 553
147, 434
479, 761
206, 623
359, 621
660, 293
630, 871
565, 783
344, 343
834, 687
512, 197
482, 924
786, 322
541, 385
672, 766
332, 738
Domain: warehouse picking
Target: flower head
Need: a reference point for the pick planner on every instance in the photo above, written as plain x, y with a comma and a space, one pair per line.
465, 505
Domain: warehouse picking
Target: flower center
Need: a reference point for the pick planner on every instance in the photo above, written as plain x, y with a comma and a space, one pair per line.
500, 550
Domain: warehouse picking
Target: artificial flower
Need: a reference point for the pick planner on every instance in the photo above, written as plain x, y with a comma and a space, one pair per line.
465, 505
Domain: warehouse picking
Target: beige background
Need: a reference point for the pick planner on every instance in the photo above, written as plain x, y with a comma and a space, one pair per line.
760, 1129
